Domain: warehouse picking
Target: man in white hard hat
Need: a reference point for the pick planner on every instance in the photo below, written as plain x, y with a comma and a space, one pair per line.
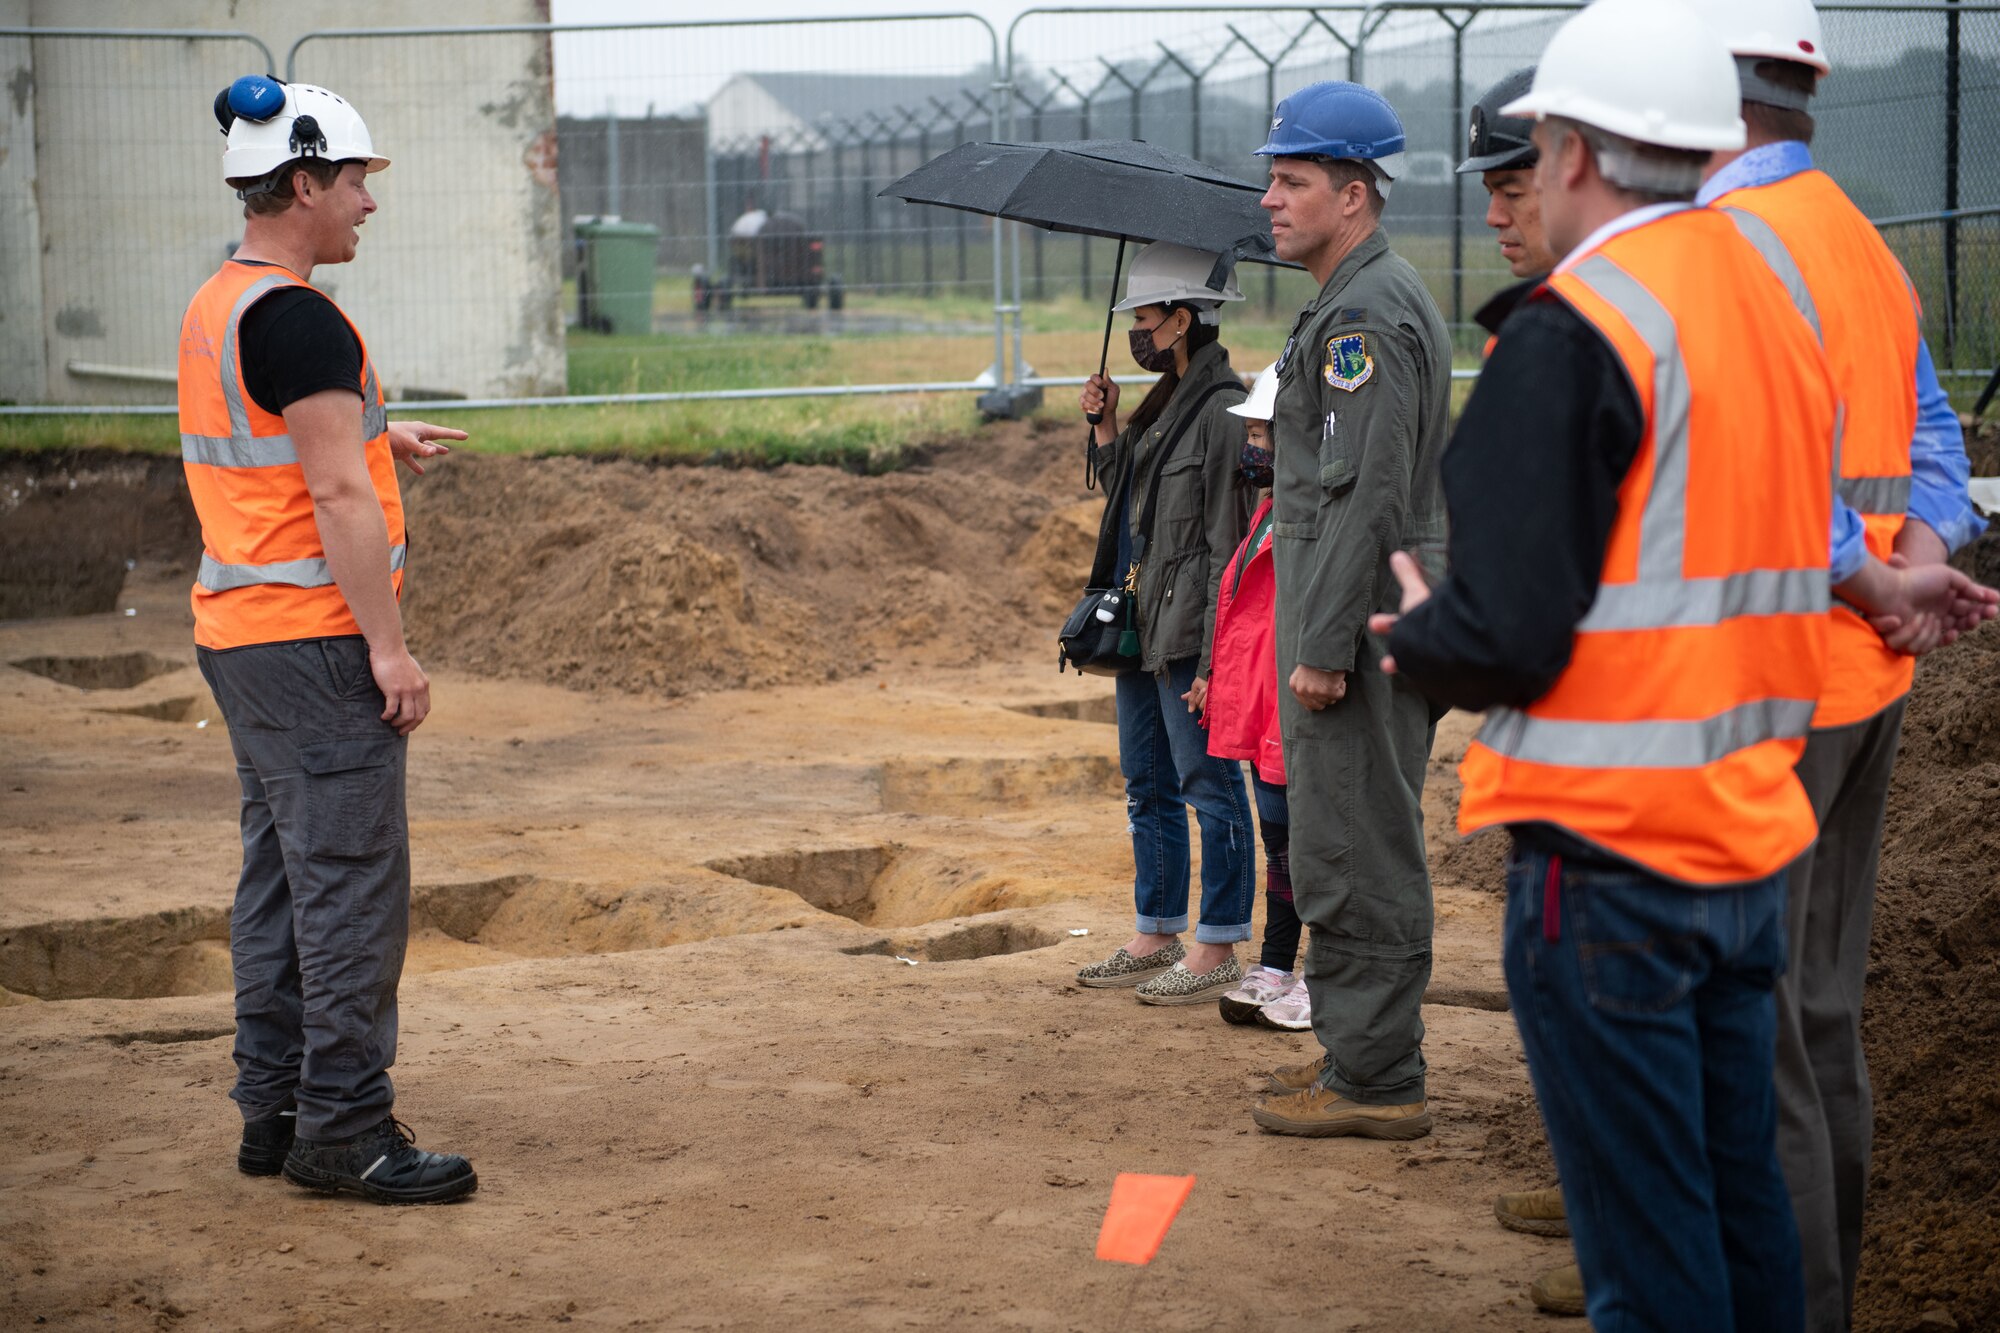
1903, 468
291, 463
1649, 697
1641, 726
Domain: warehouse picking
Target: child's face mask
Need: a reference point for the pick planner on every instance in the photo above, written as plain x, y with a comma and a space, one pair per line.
1255, 460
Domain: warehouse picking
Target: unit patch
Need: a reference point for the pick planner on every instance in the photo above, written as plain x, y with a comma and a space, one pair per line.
1348, 365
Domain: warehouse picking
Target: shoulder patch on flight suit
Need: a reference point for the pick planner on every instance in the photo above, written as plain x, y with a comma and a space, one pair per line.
1353, 314
1348, 365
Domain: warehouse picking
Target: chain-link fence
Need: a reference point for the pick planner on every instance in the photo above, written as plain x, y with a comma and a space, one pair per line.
673, 210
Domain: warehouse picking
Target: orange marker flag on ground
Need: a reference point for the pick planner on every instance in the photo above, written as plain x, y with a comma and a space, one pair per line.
1142, 1208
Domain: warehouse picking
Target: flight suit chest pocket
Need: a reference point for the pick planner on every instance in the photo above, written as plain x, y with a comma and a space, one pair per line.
1336, 464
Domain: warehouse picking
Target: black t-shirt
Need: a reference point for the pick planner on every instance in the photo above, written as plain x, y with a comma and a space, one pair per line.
293, 343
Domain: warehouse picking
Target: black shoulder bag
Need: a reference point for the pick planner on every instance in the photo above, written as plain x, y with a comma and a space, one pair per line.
1101, 636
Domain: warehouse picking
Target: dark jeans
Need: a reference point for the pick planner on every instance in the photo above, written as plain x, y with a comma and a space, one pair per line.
322, 912
1646, 1011
1826, 1108
1163, 753
1282, 927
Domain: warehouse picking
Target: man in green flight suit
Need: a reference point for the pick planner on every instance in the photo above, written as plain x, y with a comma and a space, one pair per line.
1362, 417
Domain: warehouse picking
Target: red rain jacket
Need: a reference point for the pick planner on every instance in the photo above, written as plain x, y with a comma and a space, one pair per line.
1242, 714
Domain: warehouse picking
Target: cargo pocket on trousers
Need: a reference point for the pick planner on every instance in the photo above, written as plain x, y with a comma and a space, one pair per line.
354, 796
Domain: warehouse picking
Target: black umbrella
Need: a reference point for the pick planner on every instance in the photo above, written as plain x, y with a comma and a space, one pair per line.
1120, 189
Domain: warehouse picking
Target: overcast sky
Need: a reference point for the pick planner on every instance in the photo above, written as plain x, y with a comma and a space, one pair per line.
672, 72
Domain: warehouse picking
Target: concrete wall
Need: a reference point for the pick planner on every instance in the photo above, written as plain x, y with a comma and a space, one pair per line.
456, 285
23, 365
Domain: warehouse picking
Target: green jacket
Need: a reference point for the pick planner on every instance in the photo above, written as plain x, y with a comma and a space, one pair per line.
1201, 518
1362, 417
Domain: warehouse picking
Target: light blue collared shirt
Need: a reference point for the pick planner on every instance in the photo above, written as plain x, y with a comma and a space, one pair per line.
1939, 468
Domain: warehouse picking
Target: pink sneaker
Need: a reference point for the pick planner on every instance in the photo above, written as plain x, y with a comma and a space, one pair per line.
1261, 985
1289, 1012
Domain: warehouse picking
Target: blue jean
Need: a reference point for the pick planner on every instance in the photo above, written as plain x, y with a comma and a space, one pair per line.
1163, 753
1647, 1012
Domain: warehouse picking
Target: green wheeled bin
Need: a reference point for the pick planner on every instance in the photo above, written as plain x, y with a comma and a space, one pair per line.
614, 275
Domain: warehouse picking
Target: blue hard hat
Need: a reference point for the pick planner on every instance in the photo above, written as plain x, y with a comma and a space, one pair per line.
1337, 119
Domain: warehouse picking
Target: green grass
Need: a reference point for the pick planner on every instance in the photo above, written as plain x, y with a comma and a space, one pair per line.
1062, 336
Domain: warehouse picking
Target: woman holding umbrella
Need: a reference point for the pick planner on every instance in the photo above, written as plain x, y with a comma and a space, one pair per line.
1175, 511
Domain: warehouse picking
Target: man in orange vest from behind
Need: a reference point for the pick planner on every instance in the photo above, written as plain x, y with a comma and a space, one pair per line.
291, 463
1650, 640
1903, 468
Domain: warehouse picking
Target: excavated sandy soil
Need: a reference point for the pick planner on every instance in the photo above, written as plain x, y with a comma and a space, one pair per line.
753, 1005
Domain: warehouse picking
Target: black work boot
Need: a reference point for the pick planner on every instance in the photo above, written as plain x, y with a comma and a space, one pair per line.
265, 1143
382, 1165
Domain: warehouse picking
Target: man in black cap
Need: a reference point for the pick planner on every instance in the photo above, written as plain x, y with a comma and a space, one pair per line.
1500, 152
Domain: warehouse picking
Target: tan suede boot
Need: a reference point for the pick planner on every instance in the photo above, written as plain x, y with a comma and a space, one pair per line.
1559, 1291
1537, 1212
1321, 1113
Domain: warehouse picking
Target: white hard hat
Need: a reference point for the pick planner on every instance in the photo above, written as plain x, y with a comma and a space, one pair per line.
1263, 399
264, 134
1758, 30
1647, 70
1166, 272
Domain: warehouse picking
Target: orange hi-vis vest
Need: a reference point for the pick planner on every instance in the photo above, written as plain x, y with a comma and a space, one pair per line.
1844, 277
1669, 740
264, 576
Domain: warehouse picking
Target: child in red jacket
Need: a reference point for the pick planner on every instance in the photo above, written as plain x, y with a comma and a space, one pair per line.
1240, 710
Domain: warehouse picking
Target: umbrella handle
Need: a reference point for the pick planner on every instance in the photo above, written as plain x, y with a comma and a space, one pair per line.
1104, 354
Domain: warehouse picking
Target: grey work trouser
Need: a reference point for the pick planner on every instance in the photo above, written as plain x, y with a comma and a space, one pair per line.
1354, 782
1826, 1110
322, 914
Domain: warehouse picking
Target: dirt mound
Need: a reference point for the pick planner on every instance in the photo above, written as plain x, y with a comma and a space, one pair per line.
1932, 1020
669, 580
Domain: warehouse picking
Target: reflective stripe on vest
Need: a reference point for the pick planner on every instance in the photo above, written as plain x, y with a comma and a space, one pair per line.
1768, 244
1662, 597
312, 572
1887, 497
1652, 744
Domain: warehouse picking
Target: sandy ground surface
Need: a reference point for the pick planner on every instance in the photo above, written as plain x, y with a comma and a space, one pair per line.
712, 751
768, 1122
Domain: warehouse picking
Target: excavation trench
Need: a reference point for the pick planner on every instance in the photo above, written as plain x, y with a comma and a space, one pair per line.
1101, 708
186, 951
114, 671
967, 787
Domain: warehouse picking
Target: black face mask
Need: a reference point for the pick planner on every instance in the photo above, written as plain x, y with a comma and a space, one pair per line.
1158, 360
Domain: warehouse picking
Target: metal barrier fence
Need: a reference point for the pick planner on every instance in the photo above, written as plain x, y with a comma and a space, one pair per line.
755, 151
105, 228
759, 119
